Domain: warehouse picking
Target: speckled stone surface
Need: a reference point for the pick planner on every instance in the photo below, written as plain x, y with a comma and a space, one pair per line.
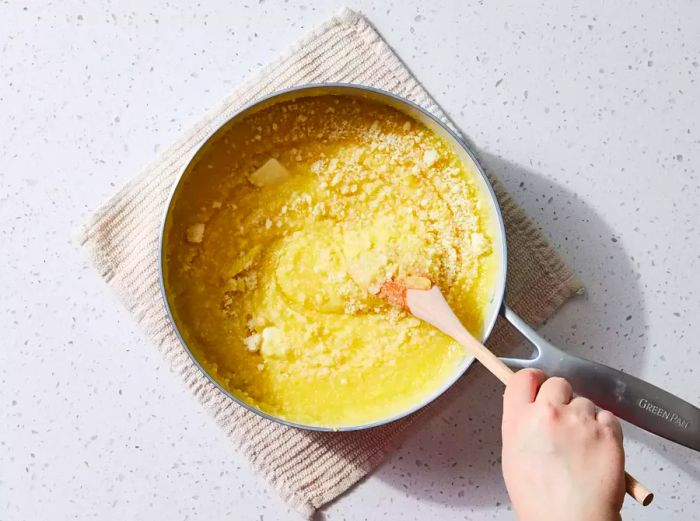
588, 113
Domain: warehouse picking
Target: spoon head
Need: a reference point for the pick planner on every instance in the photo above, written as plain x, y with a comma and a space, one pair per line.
394, 292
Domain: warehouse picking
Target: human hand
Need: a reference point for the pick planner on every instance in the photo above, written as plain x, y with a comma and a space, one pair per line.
562, 460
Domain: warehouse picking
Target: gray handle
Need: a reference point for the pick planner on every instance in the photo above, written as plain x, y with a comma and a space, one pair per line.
627, 397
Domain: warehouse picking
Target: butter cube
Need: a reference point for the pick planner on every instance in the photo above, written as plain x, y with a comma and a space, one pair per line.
272, 172
252, 342
430, 157
421, 283
195, 233
479, 244
273, 343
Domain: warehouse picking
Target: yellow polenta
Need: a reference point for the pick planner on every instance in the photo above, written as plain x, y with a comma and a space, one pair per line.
283, 232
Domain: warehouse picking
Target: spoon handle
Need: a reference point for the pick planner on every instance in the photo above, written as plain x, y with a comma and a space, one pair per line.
431, 307
626, 396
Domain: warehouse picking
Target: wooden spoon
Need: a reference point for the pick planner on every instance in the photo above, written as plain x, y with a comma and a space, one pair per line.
418, 296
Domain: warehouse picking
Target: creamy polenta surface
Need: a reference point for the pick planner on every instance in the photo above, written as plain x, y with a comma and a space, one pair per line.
280, 237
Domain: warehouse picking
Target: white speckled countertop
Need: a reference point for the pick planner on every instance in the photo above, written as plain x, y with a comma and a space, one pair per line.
587, 111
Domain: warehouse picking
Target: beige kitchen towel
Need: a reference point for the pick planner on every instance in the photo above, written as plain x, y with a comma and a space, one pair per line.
309, 469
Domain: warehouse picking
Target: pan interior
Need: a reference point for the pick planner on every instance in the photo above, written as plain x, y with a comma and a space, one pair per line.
281, 226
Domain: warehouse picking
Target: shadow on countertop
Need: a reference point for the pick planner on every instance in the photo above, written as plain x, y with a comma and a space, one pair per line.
455, 458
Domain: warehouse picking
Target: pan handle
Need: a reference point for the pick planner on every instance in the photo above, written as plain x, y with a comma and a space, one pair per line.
626, 396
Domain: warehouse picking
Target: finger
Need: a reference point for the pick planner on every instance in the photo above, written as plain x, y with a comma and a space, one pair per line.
555, 391
522, 389
609, 420
583, 407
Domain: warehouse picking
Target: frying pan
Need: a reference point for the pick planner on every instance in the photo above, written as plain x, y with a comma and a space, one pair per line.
629, 398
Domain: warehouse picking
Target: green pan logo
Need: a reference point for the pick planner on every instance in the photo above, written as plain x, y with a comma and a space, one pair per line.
669, 416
